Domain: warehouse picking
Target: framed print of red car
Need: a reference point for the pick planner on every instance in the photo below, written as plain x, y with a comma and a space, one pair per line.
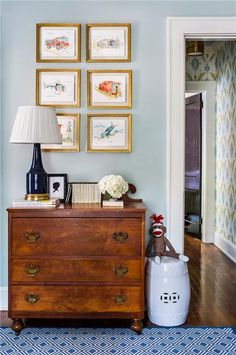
57, 42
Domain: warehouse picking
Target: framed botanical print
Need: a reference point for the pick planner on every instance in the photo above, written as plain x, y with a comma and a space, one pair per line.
109, 89
108, 42
58, 87
57, 186
57, 42
69, 125
109, 132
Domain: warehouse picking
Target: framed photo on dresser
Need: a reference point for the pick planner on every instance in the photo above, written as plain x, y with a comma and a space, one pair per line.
57, 186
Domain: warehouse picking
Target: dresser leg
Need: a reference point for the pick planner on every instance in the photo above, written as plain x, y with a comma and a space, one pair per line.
137, 326
17, 325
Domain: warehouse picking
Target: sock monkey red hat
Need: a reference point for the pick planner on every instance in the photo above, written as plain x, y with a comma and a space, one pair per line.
160, 242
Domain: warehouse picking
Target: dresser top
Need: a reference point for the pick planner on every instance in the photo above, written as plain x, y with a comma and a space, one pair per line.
82, 209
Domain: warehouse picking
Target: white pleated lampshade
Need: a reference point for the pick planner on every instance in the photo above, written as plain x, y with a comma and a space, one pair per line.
35, 124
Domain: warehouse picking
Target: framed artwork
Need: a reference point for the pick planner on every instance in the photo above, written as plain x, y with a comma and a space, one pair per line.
58, 87
106, 42
57, 42
69, 125
57, 186
109, 89
109, 132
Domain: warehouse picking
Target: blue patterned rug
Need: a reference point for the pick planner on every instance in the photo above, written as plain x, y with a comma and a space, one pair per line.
117, 341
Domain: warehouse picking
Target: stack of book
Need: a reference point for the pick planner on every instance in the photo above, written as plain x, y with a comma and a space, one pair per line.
113, 203
79, 192
52, 202
85, 193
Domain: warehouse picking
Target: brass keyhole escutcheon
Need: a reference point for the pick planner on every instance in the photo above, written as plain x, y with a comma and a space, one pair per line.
32, 270
120, 237
32, 298
120, 299
32, 237
120, 270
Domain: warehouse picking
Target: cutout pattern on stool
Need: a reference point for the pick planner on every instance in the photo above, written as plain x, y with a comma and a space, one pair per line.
170, 297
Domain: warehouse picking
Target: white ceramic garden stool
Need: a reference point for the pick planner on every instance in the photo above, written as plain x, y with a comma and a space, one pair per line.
167, 291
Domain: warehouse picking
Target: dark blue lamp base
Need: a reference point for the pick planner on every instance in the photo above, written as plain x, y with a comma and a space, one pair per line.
36, 178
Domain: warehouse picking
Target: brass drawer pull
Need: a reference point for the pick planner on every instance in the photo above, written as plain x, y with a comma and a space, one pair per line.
120, 237
32, 270
32, 237
120, 299
120, 270
32, 298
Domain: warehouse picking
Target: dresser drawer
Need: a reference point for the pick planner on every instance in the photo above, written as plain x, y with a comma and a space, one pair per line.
82, 270
80, 299
76, 236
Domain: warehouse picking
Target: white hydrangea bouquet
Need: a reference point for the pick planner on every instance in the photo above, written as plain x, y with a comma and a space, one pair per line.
113, 187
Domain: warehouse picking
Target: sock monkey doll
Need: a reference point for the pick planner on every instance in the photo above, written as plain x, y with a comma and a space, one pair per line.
160, 242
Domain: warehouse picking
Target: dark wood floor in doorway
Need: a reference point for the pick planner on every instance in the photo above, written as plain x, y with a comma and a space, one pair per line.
213, 285
213, 291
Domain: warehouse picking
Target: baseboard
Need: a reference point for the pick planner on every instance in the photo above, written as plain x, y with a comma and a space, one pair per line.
226, 247
3, 298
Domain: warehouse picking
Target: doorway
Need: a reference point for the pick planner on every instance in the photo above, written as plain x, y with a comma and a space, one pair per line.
178, 30
209, 67
193, 165
208, 92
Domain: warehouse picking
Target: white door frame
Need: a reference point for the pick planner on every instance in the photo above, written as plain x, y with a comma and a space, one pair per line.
178, 29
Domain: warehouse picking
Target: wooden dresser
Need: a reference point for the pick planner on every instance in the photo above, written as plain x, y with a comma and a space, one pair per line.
80, 261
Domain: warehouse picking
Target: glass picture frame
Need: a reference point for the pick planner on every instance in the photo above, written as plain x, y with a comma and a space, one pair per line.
107, 42
57, 186
58, 42
58, 87
109, 133
69, 125
109, 89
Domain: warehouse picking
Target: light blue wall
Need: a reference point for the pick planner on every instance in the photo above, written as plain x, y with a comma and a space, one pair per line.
145, 166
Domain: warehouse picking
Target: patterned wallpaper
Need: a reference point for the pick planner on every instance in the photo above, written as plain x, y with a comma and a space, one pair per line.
201, 68
226, 141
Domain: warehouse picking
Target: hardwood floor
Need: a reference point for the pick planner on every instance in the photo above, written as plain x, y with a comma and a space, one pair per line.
213, 292
213, 285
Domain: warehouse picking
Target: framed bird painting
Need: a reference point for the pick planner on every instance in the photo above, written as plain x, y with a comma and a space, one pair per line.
109, 133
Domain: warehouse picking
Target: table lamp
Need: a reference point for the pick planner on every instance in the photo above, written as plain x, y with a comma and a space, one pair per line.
36, 125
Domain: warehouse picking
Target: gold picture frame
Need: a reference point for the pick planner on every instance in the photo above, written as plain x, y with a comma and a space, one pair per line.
108, 42
107, 133
71, 134
109, 89
58, 87
58, 42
